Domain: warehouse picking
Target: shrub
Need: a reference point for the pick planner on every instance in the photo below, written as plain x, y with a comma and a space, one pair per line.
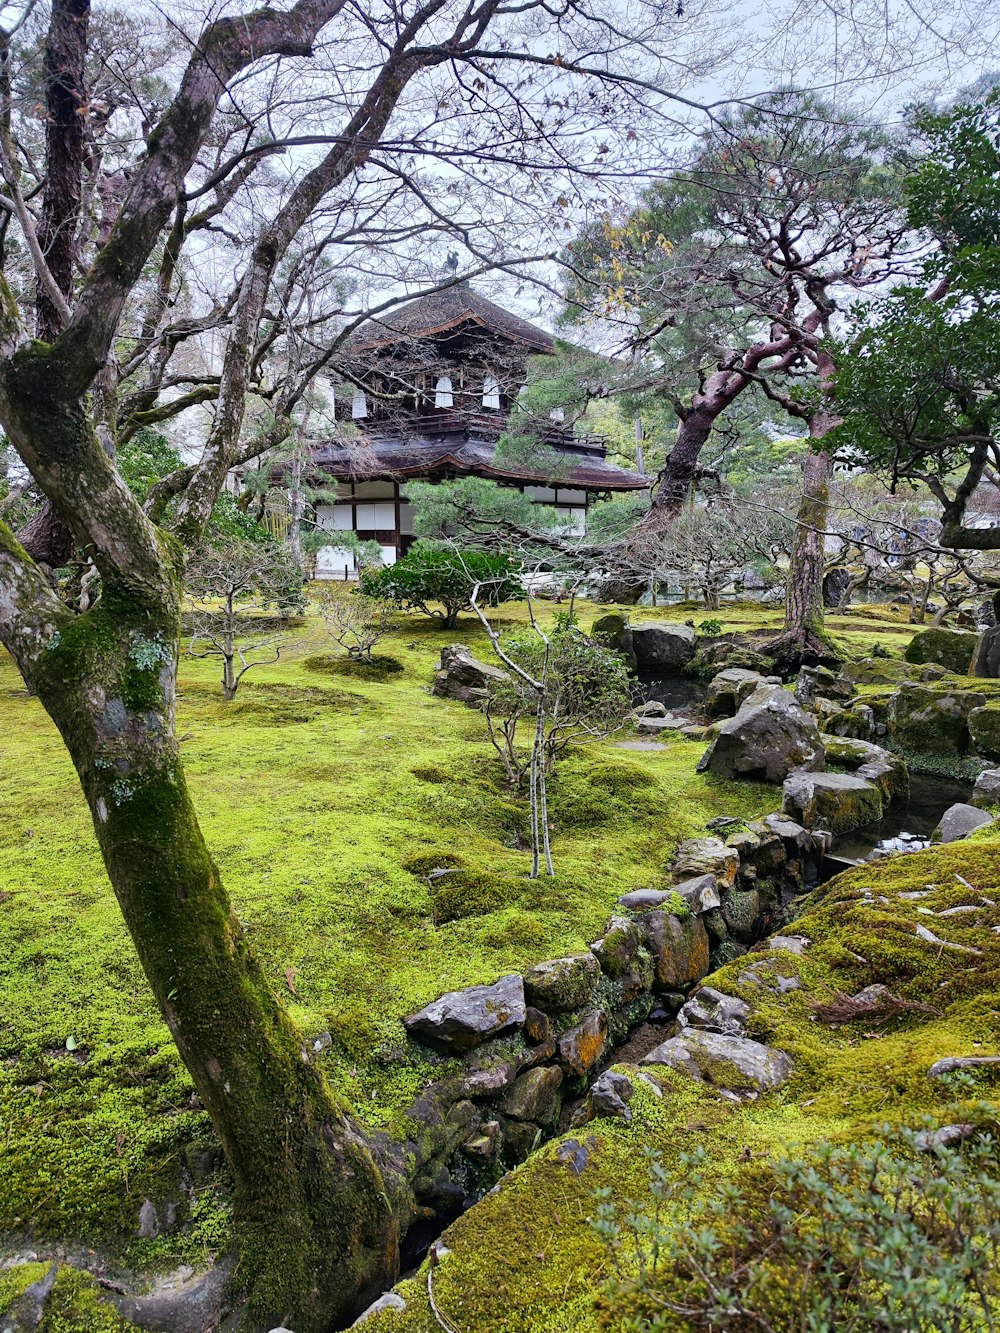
895, 1236
440, 582
710, 628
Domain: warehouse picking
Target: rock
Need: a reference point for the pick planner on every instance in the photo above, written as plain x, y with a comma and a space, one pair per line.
679, 949
390, 1301
854, 723
986, 658
836, 582
575, 1155
958, 821
932, 721
768, 737
582, 1046
459, 1020
484, 1145
618, 945
741, 911
488, 1082
886, 770
700, 857
727, 690
987, 789
610, 1095
662, 647
951, 648
713, 1011
796, 944
534, 1096
813, 682
701, 894
463, 676
148, 1224
561, 983
715, 926
836, 802
733, 1063
537, 1027
984, 728
652, 709
520, 1139
179, 1302
951, 1063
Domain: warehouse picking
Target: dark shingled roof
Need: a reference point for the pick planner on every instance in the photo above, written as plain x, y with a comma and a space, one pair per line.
450, 310
422, 456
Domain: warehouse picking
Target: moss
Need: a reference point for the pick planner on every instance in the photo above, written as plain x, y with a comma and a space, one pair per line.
378, 669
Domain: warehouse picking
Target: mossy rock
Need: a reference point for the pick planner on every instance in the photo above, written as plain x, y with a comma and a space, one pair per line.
458, 894
950, 648
932, 721
984, 729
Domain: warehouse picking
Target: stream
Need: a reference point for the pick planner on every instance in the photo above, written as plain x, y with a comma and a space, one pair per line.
907, 825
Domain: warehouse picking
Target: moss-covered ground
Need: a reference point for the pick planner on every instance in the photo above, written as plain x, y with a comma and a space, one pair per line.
326, 795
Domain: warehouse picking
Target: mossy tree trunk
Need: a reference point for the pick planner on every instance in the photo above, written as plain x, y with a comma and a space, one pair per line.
803, 638
804, 597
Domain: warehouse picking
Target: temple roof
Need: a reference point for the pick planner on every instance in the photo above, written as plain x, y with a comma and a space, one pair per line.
450, 310
422, 456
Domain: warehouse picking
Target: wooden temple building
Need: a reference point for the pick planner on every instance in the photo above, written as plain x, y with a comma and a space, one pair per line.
434, 386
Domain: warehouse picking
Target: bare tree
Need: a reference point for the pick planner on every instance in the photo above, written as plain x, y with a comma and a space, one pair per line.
234, 590
352, 620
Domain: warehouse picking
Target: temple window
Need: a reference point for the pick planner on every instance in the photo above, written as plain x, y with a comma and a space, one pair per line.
491, 392
443, 396
359, 406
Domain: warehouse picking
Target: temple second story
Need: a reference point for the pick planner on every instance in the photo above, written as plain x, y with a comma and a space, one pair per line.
433, 387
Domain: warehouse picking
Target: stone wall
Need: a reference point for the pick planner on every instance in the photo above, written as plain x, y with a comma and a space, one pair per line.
521, 1052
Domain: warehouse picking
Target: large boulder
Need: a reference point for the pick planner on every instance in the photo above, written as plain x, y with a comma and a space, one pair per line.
958, 821
733, 1063
462, 676
727, 690
768, 738
984, 729
951, 648
662, 647
679, 948
890, 671
986, 658
461, 1019
924, 720
836, 802
888, 771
